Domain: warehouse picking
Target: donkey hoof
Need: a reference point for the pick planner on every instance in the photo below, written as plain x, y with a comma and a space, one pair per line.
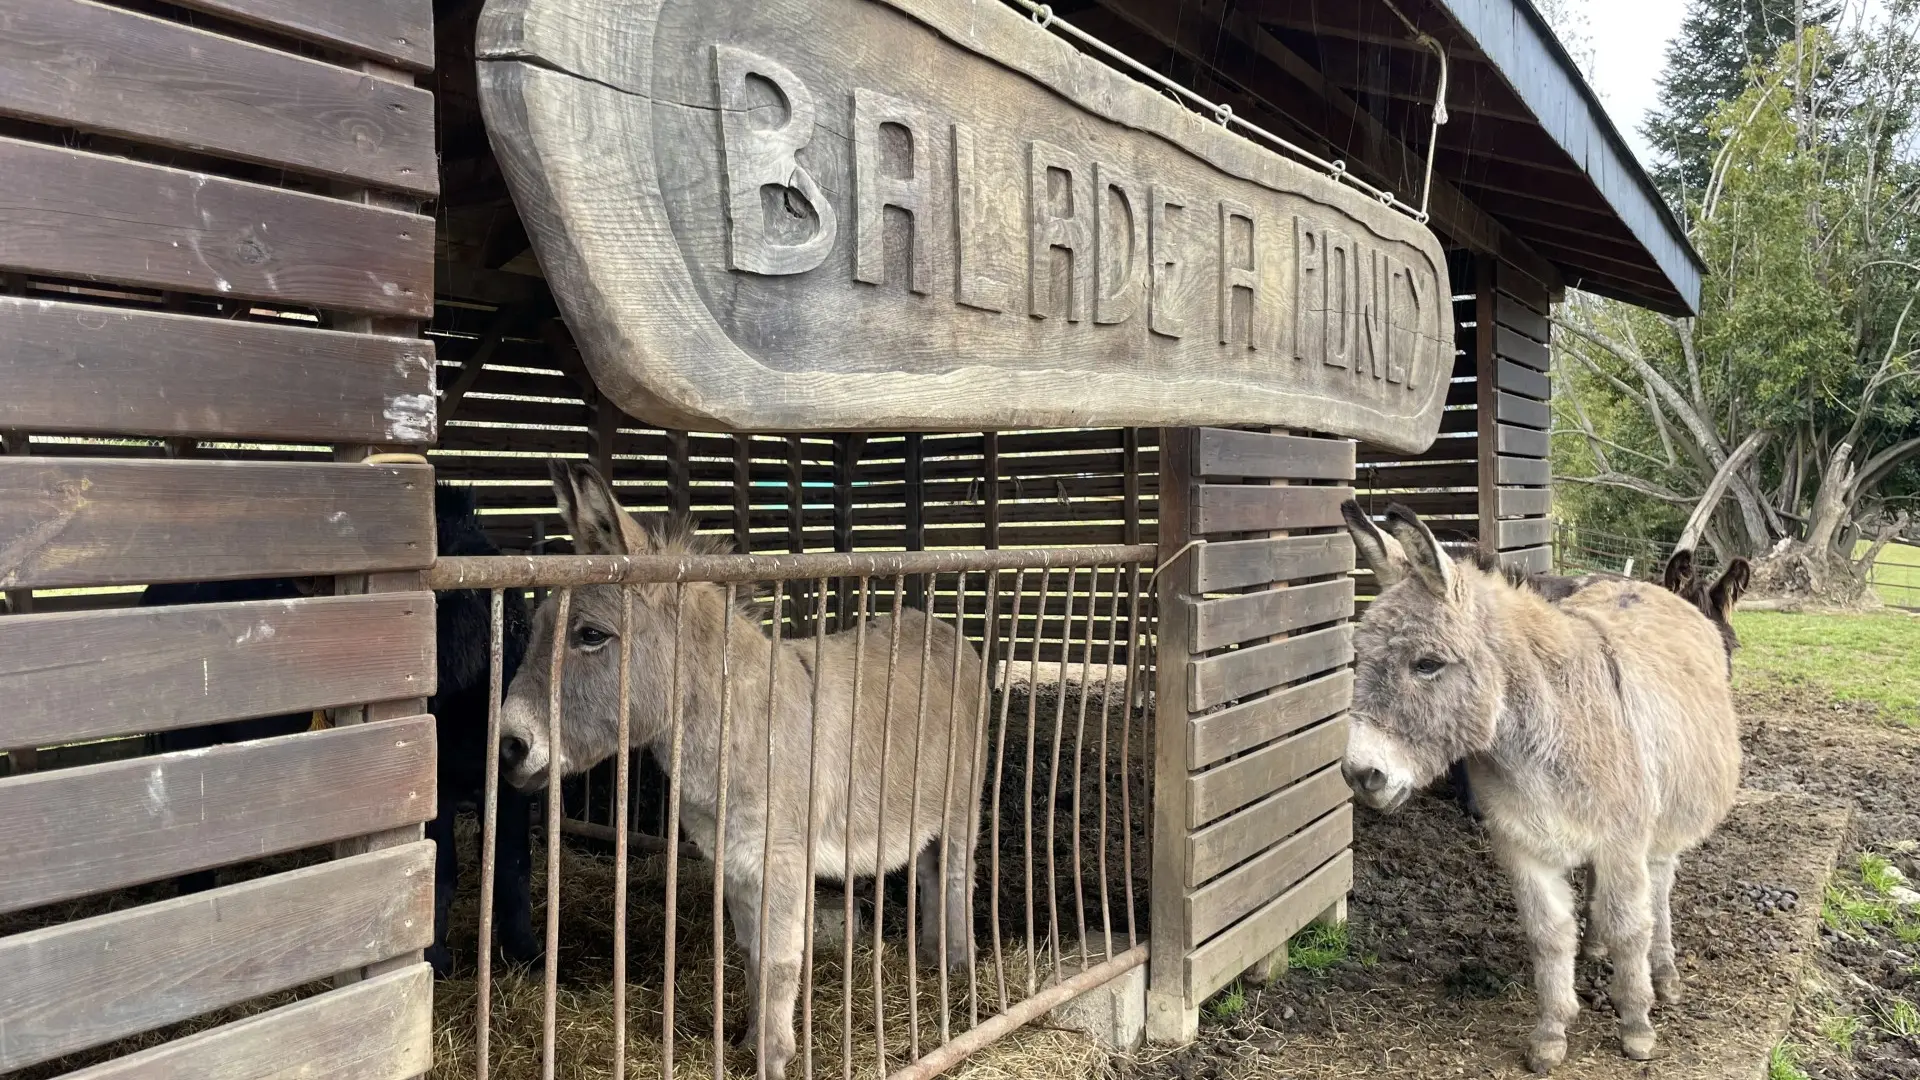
1668, 991
1637, 1043
1546, 1053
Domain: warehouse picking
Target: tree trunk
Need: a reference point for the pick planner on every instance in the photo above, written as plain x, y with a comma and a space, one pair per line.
1830, 499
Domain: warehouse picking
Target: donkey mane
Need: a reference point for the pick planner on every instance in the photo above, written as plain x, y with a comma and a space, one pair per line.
676, 534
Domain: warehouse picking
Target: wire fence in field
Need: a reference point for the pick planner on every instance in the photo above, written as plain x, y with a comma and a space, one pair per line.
1895, 574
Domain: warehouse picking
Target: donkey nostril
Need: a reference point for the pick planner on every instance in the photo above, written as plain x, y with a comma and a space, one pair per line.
1373, 780
513, 751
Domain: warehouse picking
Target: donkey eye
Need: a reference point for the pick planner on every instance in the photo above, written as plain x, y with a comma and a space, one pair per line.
590, 637
1428, 666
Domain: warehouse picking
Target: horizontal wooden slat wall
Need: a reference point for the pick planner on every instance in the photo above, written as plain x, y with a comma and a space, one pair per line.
1251, 824
214, 267
1515, 335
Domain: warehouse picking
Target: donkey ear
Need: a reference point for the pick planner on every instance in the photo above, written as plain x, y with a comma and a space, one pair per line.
1679, 573
1382, 553
1726, 592
592, 513
1429, 563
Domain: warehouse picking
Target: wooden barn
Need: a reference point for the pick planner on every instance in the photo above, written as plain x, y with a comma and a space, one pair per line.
1066, 326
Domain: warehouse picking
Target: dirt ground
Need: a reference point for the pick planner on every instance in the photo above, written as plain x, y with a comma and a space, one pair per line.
1436, 982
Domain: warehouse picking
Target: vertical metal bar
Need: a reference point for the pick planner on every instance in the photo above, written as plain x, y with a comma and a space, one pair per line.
489, 834
548, 1046
621, 781
1033, 728
1106, 761
1053, 776
950, 829
846, 839
913, 819
999, 770
675, 704
880, 832
813, 824
721, 780
1134, 650
976, 770
766, 825
1079, 766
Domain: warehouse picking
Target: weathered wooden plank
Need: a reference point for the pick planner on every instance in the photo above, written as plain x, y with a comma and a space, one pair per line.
110, 521
75, 63
1248, 724
397, 31
1233, 619
1219, 679
1449, 449
1172, 1015
76, 214
1523, 442
1533, 472
1401, 477
1218, 904
1510, 409
1524, 380
1227, 452
99, 827
1227, 508
92, 675
84, 983
1537, 560
1515, 315
1234, 564
1512, 345
82, 368
379, 1029
1219, 961
1233, 840
1525, 532
1523, 288
1220, 791
1525, 502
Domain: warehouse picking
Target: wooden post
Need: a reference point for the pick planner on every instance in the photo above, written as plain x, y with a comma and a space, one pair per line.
743, 494
798, 592
1486, 387
991, 467
916, 472
679, 480
1171, 1017
20, 759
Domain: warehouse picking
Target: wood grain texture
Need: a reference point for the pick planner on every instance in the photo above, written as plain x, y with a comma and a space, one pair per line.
603, 117
1227, 508
1227, 452
1523, 380
397, 31
1218, 904
81, 368
99, 827
1216, 963
1537, 560
108, 521
1217, 680
1172, 1016
1512, 345
84, 983
1514, 315
1525, 532
1234, 564
93, 675
1525, 502
1234, 619
1233, 840
1248, 724
1531, 472
1523, 442
75, 63
1512, 409
1223, 789
76, 214
380, 1029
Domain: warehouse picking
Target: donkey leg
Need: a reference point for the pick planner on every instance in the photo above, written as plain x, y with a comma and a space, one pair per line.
1592, 946
959, 845
773, 979
1545, 902
513, 878
1666, 975
1624, 909
446, 876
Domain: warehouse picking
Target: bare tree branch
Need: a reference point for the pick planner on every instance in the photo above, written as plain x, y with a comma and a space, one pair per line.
1703, 511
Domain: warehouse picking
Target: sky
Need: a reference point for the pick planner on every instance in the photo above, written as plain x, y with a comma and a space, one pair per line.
1629, 40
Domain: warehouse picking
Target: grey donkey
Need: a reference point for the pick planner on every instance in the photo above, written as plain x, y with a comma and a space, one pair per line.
883, 778
1598, 729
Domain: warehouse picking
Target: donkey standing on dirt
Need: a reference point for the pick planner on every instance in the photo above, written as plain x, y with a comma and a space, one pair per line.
887, 775
1598, 729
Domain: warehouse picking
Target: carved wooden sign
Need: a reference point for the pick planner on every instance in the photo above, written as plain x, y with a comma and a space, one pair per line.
934, 214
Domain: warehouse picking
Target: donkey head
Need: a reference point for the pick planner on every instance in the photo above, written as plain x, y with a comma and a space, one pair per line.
1717, 601
1427, 681
590, 677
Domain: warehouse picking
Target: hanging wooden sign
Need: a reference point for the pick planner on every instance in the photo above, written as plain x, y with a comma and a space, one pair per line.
934, 214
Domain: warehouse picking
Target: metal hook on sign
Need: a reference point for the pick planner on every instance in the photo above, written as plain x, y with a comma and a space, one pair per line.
1223, 112
1043, 16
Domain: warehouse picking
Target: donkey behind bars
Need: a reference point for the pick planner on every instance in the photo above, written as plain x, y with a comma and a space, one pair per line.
1598, 729
893, 771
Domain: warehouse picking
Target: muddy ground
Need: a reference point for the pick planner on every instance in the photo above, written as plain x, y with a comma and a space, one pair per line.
1436, 978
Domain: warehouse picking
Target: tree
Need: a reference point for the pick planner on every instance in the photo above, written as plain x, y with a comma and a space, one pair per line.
1708, 64
1791, 406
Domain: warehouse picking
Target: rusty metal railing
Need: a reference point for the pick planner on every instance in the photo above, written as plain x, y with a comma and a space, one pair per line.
718, 714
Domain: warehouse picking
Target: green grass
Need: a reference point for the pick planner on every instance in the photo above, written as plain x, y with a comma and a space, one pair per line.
1896, 573
1900, 1018
1867, 658
1841, 1031
1784, 1064
1230, 1003
1317, 948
